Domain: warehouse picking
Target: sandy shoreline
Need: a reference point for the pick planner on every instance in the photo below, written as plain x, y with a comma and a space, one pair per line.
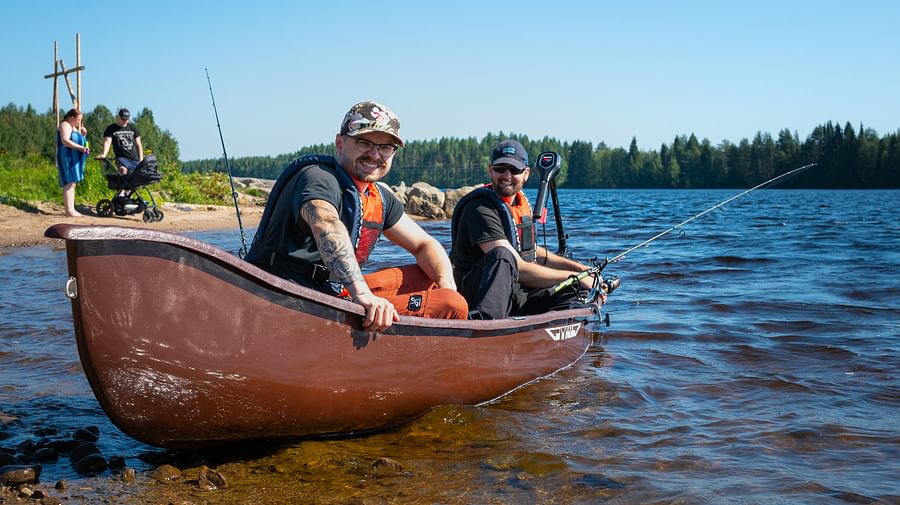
22, 228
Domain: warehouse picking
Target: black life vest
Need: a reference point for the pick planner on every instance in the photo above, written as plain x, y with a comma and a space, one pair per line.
279, 245
518, 225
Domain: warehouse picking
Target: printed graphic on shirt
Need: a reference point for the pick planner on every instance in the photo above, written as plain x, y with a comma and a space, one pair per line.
125, 139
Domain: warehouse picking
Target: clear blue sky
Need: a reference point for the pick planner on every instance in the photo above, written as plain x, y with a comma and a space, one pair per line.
284, 73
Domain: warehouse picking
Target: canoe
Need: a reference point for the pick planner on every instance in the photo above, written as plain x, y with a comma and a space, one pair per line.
186, 345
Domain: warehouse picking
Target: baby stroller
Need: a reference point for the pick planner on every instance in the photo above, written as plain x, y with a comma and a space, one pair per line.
127, 199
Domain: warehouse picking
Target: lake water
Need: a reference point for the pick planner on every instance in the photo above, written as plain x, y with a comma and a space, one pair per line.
753, 357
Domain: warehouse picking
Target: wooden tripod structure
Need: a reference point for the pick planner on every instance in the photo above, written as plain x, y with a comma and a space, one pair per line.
60, 70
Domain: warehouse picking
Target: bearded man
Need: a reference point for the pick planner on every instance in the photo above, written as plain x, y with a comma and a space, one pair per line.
496, 263
325, 214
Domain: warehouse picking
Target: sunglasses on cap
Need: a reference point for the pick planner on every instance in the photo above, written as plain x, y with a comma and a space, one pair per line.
502, 169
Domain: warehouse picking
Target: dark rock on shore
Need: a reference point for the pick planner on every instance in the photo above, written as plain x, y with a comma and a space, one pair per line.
165, 473
420, 199
210, 480
15, 475
80, 447
92, 463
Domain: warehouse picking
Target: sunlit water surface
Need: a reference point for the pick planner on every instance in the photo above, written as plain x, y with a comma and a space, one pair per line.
753, 357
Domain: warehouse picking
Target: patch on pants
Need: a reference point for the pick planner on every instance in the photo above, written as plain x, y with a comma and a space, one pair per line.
415, 303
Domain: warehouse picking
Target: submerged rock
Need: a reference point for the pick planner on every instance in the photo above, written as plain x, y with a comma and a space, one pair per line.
8, 459
117, 462
45, 454
78, 453
92, 463
89, 434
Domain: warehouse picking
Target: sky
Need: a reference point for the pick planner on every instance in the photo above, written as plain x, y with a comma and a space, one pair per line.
285, 73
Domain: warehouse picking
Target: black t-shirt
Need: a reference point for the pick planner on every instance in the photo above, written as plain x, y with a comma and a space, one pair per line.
317, 183
123, 140
479, 223
286, 233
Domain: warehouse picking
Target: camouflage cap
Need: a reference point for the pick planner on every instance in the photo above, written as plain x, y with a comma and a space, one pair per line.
366, 117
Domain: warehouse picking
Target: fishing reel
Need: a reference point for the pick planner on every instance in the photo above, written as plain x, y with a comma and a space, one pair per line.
600, 285
606, 286
610, 282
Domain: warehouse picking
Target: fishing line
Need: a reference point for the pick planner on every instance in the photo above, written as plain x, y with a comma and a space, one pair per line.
600, 265
234, 196
680, 225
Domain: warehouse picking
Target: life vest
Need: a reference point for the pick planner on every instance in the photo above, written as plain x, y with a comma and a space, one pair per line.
371, 222
515, 217
278, 244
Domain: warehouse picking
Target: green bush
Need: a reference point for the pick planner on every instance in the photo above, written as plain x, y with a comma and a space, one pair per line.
212, 188
34, 179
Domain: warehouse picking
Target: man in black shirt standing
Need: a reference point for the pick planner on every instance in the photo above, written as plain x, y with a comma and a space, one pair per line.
126, 142
496, 262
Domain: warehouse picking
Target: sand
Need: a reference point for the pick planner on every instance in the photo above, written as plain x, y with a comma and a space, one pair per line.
19, 228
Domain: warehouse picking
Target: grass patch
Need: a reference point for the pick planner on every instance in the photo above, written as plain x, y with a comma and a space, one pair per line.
24, 181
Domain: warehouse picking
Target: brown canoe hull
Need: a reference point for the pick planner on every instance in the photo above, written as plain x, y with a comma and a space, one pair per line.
186, 345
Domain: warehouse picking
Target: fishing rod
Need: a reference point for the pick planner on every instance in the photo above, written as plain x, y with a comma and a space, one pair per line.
599, 266
234, 196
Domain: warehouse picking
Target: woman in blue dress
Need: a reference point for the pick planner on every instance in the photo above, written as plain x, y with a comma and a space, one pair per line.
71, 153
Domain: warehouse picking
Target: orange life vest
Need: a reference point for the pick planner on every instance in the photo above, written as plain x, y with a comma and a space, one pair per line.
371, 224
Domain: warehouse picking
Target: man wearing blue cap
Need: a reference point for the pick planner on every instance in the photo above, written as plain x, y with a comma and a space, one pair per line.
496, 262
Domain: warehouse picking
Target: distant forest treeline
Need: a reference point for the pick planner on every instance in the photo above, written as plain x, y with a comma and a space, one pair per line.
848, 156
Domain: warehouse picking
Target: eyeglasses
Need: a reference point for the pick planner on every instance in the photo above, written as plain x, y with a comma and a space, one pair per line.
385, 150
502, 169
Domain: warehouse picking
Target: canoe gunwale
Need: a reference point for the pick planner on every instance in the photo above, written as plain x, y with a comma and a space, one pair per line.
75, 232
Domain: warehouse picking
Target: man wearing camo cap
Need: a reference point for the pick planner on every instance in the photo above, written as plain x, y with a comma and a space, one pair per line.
325, 214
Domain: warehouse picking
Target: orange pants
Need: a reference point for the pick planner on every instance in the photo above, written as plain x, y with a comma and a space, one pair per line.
414, 294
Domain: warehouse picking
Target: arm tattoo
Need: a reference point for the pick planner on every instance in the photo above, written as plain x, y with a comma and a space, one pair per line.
334, 246
339, 259
310, 213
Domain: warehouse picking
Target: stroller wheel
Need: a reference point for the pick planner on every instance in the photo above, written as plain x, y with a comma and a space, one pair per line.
159, 215
149, 216
104, 208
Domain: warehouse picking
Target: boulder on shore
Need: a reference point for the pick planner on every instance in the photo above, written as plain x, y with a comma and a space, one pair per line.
453, 196
425, 200
420, 200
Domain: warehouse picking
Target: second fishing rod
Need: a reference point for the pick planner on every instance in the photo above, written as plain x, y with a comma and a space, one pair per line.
612, 282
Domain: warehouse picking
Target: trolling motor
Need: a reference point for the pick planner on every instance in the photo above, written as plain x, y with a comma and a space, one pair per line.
548, 164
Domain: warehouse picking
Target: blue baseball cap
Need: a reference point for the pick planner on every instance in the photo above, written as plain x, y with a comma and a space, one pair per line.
510, 152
